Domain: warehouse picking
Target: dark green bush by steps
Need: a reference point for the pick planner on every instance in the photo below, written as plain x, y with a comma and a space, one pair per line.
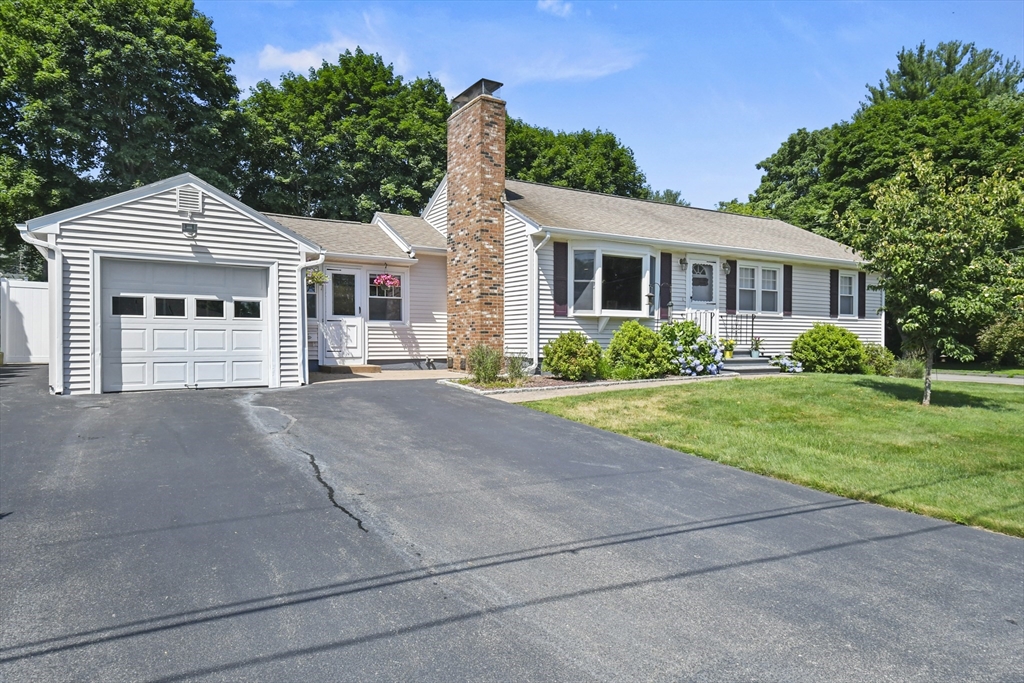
878, 360
572, 356
829, 348
638, 352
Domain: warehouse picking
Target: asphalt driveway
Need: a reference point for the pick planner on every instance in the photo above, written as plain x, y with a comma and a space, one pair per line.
403, 530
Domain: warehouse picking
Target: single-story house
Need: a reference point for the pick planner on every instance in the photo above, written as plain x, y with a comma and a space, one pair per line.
177, 284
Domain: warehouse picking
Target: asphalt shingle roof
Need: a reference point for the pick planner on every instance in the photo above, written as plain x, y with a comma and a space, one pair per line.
342, 237
415, 231
560, 207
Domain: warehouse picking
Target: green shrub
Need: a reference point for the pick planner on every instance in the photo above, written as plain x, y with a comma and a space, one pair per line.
695, 353
484, 364
911, 368
572, 356
515, 367
878, 360
639, 352
829, 348
1004, 338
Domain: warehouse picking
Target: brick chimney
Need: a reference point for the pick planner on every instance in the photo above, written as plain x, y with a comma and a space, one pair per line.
476, 225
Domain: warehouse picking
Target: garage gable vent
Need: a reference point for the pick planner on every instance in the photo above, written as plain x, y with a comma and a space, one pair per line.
190, 199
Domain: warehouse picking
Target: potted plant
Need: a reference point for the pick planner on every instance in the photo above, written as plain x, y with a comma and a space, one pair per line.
316, 277
728, 345
755, 347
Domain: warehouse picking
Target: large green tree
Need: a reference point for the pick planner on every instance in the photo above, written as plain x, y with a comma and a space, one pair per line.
584, 160
943, 244
345, 140
961, 103
921, 72
98, 96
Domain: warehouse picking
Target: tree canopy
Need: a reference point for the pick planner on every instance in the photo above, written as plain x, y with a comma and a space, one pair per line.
98, 96
921, 72
345, 140
944, 245
584, 160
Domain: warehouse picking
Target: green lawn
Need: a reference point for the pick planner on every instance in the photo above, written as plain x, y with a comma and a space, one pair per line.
863, 437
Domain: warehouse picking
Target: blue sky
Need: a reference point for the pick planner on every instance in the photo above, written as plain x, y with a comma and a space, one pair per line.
701, 91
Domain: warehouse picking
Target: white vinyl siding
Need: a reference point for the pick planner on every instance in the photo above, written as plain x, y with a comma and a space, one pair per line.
517, 290
550, 326
426, 333
151, 227
810, 305
437, 213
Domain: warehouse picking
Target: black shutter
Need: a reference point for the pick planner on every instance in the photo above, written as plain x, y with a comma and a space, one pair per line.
665, 289
833, 293
561, 292
787, 290
730, 288
862, 290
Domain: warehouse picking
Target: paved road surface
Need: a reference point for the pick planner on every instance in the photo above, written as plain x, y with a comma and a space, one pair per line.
218, 535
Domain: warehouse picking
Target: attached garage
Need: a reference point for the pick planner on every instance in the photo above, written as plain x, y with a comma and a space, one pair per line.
177, 325
173, 285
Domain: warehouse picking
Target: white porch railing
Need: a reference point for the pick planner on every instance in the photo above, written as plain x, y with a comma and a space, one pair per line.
707, 321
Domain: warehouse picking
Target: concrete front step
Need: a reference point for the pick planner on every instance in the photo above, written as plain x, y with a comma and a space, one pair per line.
349, 369
750, 366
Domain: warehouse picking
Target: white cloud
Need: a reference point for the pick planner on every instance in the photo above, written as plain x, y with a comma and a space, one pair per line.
560, 8
272, 57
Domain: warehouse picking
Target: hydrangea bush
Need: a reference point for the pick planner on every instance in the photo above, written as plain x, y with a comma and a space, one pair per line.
787, 364
695, 352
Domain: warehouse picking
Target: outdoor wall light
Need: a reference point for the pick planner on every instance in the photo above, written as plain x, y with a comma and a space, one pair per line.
190, 230
726, 268
682, 263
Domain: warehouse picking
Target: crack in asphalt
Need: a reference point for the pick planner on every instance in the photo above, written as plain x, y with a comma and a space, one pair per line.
330, 490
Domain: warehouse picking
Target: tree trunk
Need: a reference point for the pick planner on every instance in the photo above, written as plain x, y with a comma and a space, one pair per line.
927, 400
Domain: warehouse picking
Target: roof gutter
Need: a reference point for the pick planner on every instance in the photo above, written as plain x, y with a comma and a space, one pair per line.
694, 246
371, 259
533, 305
303, 344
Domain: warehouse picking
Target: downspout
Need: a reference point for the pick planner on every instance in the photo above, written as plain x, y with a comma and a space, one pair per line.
55, 296
534, 312
303, 324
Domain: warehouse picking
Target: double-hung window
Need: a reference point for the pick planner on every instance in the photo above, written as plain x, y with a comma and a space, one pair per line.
609, 283
385, 297
757, 289
846, 295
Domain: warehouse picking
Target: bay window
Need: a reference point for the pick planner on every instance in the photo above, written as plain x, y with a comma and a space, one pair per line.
610, 282
757, 289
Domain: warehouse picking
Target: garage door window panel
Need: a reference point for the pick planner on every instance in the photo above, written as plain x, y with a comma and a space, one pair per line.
209, 308
170, 308
133, 306
247, 310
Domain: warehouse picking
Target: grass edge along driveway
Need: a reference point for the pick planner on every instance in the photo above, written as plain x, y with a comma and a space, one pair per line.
863, 437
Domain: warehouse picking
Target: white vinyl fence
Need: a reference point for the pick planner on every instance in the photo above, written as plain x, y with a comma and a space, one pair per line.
24, 321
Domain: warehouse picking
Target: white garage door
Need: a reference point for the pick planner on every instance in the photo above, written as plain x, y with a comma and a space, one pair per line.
171, 326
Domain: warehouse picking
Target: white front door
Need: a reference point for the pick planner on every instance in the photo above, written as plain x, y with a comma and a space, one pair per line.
702, 294
342, 331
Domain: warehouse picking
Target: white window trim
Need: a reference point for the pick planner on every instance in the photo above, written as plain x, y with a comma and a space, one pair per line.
780, 287
853, 275
403, 274
600, 250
